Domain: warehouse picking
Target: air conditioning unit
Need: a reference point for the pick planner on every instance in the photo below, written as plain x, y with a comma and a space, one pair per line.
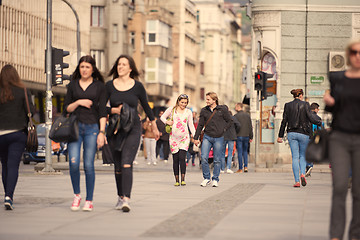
337, 61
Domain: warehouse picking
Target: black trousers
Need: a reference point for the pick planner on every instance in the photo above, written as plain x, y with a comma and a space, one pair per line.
344, 153
179, 159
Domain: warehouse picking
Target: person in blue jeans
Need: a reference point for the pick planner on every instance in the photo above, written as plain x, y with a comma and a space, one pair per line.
86, 97
244, 137
13, 135
297, 118
216, 120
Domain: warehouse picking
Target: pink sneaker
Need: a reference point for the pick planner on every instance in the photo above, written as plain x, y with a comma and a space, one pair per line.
76, 203
88, 207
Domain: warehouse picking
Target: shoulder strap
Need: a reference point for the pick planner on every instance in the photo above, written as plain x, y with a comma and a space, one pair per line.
172, 114
28, 107
210, 118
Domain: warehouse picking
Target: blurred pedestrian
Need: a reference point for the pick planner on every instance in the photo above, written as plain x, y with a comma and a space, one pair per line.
86, 98
163, 142
244, 137
314, 108
230, 138
181, 122
297, 118
13, 135
125, 88
343, 101
217, 120
150, 141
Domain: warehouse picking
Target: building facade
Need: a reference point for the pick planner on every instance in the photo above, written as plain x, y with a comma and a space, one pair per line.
298, 42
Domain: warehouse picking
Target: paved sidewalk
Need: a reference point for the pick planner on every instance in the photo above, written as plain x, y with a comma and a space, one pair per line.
254, 205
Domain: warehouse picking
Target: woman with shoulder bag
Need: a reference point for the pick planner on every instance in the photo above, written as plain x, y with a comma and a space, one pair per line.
297, 118
86, 98
343, 101
14, 120
179, 140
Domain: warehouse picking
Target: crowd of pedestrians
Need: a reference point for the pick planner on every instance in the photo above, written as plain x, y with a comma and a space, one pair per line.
215, 132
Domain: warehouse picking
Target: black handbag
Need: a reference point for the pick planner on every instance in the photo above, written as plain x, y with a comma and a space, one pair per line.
65, 129
32, 139
107, 154
317, 149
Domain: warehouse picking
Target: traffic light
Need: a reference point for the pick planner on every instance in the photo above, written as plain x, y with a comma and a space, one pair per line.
265, 86
259, 80
58, 66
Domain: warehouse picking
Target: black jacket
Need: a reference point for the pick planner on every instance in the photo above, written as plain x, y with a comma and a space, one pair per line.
218, 124
230, 134
297, 117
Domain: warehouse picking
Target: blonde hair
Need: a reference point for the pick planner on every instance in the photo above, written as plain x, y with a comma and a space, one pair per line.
213, 96
348, 48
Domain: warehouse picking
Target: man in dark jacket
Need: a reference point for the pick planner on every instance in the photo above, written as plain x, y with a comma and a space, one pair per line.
244, 136
163, 140
230, 138
220, 121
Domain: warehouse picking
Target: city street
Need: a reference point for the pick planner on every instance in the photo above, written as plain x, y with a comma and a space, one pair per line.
254, 205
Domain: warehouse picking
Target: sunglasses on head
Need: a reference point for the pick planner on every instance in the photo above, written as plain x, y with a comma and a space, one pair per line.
354, 52
183, 96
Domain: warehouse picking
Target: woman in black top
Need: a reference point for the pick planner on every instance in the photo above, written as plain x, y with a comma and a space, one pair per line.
344, 144
125, 88
86, 97
13, 115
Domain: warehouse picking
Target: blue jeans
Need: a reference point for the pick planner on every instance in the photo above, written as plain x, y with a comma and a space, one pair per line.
242, 145
87, 135
230, 144
298, 143
217, 145
12, 146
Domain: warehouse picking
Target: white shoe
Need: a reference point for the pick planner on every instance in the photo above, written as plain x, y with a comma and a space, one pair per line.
221, 171
229, 171
215, 183
165, 161
154, 163
205, 182
135, 163
149, 163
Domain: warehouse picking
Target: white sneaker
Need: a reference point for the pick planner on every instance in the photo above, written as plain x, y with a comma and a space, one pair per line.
165, 161
135, 162
229, 171
205, 182
119, 204
149, 163
154, 163
215, 183
222, 171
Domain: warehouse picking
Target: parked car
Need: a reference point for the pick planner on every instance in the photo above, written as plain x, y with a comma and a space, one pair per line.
39, 155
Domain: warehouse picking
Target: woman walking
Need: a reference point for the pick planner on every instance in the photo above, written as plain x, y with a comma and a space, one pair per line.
86, 98
297, 118
13, 115
126, 91
344, 143
182, 121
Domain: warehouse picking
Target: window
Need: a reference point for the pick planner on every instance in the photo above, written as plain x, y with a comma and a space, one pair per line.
99, 57
97, 16
132, 40
115, 33
158, 71
202, 93
158, 33
142, 42
202, 68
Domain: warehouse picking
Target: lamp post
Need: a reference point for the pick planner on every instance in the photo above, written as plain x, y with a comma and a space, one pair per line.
77, 30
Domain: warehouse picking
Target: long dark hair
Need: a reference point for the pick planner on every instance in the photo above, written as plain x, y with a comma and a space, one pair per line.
96, 73
9, 77
134, 74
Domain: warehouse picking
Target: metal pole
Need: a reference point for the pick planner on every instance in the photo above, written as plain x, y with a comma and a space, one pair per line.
77, 30
48, 70
257, 129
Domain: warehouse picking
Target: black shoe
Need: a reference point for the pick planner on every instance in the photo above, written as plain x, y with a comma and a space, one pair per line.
308, 171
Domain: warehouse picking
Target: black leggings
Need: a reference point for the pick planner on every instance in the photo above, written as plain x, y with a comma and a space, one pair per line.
179, 158
124, 175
